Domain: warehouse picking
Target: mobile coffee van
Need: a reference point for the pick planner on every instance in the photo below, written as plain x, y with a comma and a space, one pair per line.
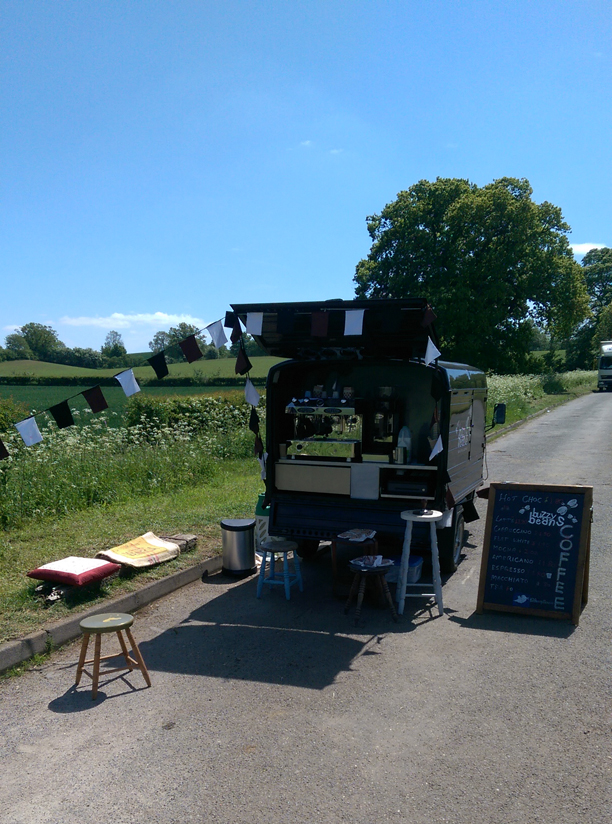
354, 415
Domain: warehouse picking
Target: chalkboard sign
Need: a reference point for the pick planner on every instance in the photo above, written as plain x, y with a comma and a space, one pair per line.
536, 550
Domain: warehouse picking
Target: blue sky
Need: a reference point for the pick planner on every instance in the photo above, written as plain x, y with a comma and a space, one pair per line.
163, 159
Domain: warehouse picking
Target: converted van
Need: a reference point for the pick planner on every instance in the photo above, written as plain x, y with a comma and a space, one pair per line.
604, 366
359, 427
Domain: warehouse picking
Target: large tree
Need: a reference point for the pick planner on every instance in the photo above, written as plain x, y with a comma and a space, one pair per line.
489, 259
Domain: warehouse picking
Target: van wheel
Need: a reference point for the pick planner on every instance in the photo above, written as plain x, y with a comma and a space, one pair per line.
450, 543
307, 549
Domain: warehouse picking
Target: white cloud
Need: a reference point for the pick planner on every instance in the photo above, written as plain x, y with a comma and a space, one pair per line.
336, 151
10, 328
119, 320
306, 143
583, 248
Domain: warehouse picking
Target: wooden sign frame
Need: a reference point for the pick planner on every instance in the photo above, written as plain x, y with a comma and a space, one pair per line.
521, 495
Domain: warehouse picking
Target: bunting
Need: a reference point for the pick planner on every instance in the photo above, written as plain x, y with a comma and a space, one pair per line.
128, 382
432, 352
159, 364
94, 397
62, 414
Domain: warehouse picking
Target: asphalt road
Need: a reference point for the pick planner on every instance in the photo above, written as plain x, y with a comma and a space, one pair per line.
274, 711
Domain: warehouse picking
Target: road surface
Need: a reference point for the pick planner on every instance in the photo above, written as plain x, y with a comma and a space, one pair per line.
266, 711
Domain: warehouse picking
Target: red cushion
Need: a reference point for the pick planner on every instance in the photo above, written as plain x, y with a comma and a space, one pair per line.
75, 571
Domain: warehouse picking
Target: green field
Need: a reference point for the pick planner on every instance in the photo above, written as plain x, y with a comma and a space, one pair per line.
207, 369
37, 398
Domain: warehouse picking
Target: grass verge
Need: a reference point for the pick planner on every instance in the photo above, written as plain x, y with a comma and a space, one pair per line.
232, 493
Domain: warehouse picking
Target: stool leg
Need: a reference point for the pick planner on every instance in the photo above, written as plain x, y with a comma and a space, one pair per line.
96, 666
387, 593
124, 650
362, 586
298, 571
82, 657
262, 573
352, 593
286, 575
138, 656
403, 573
435, 563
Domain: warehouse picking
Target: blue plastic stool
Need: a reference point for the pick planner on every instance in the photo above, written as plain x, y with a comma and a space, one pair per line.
268, 550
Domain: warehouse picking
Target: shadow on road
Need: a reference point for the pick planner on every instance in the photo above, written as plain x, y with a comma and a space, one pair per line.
517, 624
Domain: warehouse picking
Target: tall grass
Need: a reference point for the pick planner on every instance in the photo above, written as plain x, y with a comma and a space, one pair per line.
521, 392
99, 464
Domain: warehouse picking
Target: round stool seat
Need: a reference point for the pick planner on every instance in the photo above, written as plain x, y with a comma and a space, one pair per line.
278, 546
106, 622
419, 516
365, 569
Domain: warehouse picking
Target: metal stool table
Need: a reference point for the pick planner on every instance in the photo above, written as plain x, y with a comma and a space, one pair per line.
99, 625
429, 516
268, 550
364, 573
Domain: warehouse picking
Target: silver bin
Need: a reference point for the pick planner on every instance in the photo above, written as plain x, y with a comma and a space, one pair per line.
238, 546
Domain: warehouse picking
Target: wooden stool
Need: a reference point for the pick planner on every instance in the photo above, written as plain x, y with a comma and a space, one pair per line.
367, 547
363, 574
98, 625
428, 516
268, 550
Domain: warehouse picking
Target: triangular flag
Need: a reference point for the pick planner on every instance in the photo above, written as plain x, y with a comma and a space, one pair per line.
29, 431
62, 414
254, 323
215, 330
437, 448
158, 362
3, 451
250, 393
230, 320
190, 349
236, 331
432, 352
353, 322
95, 398
243, 364
128, 382
254, 421
319, 324
428, 316
262, 462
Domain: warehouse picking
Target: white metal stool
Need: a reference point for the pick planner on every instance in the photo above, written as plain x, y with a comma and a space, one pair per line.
429, 516
268, 550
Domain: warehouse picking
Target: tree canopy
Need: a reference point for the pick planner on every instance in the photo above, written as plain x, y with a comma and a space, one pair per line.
488, 259
583, 345
113, 346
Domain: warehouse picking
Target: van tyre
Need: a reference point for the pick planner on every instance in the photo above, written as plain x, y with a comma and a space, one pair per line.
450, 543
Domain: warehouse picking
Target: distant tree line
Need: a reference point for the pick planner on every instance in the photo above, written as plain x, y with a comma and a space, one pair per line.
35, 341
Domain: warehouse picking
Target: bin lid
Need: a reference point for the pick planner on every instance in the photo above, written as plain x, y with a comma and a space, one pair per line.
391, 328
237, 524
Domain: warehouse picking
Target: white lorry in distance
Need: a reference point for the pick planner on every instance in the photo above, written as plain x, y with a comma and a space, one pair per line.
604, 366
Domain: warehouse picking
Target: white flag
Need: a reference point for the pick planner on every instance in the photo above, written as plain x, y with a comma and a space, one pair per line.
128, 382
250, 393
432, 352
437, 448
29, 431
262, 463
215, 330
254, 323
353, 321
